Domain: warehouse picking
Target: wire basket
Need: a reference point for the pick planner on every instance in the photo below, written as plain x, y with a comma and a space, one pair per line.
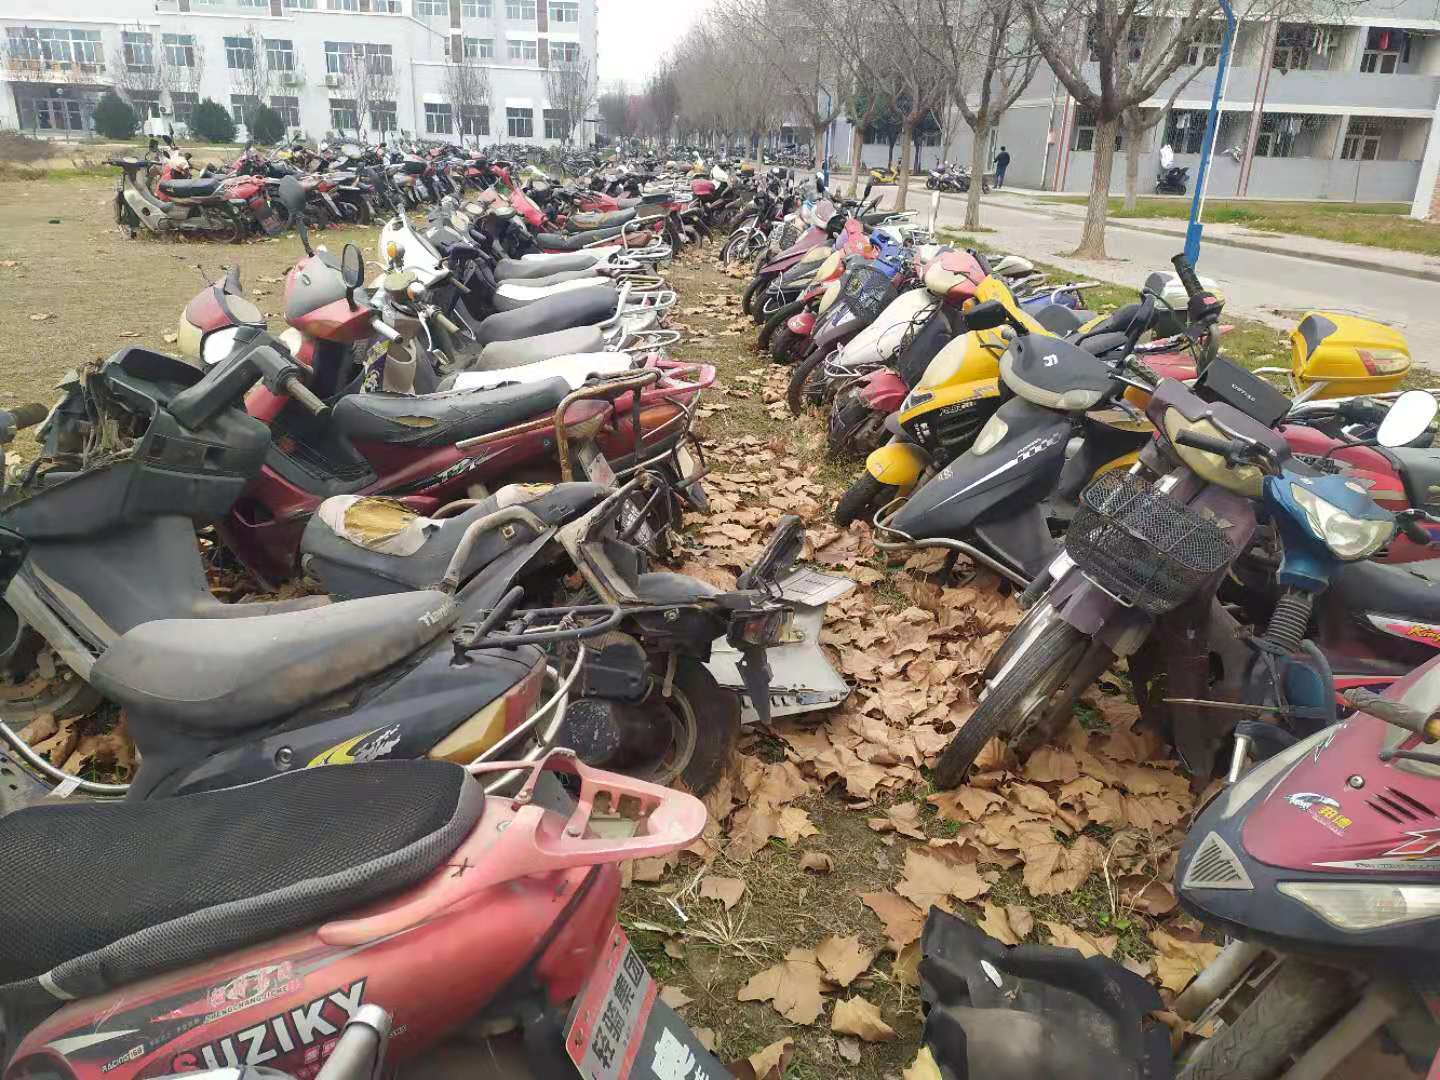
867, 292
1143, 547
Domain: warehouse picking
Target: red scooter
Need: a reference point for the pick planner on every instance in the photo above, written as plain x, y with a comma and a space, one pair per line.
248, 926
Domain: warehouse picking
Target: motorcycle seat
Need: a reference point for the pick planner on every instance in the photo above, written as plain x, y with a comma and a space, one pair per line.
443, 419
1420, 471
1404, 590
876, 217
542, 267
201, 673
1055, 374
534, 350
626, 204
600, 220
517, 294
369, 546
191, 189
573, 241
583, 307
1058, 319
188, 879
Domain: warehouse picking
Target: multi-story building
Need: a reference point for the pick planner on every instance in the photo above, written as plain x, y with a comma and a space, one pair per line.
298, 56
1311, 110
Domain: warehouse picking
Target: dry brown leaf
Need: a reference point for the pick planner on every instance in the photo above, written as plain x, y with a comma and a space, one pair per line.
653, 869
906, 966
1051, 765
727, 890
673, 948
932, 881
1020, 919
792, 987
706, 1037
41, 316
848, 1049
767, 1064
903, 921
794, 825
860, 1018
675, 997
39, 729
1178, 960
923, 1067
844, 959
817, 861
1067, 937
1148, 895
997, 925
902, 818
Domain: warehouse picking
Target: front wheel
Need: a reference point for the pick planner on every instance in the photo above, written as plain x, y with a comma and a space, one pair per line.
807, 383
705, 721
1021, 699
776, 322
754, 294
863, 498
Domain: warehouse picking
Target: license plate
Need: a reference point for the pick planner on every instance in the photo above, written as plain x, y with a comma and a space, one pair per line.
619, 1028
596, 467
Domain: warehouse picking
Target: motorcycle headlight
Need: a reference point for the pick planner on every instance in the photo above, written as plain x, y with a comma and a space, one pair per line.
990, 435
1365, 907
1348, 538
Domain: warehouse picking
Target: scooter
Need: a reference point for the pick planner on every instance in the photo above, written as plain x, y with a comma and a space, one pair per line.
1172, 181
269, 929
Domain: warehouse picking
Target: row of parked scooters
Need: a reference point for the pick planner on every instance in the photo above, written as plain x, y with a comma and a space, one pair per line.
1259, 547
477, 456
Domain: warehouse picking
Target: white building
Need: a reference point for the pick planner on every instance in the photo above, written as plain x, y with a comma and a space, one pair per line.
167, 55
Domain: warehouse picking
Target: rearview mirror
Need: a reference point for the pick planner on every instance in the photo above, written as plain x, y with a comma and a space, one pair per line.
352, 267
779, 554
1408, 418
292, 195
986, 316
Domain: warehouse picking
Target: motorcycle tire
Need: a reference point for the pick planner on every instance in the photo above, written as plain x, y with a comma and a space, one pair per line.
1012, 703
775, 323
753, 293
801, 392
1293, 1006
786, 347
862, 499
854, 428
713, 714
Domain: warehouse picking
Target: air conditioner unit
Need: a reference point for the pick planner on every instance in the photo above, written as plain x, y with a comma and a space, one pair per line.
332, 81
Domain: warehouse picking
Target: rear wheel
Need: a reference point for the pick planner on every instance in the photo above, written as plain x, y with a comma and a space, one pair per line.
776, 322
1280, 1021
862, 499
854, 427
749, 302
705, 721
807, 383
1023, 697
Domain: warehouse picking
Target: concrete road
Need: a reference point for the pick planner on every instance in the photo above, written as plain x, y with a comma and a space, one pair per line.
1273, 288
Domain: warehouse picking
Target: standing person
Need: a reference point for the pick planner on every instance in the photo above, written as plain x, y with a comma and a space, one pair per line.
1002, 162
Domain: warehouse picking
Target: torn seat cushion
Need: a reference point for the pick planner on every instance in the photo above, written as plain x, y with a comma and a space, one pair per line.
100, 896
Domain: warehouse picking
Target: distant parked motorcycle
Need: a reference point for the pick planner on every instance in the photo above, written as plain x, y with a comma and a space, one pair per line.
227, 206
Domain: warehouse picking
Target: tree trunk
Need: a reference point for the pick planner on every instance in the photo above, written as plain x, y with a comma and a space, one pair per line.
1132, 165
890, 154
1092, 239
817, 136
907, 137
977, 174
857, 156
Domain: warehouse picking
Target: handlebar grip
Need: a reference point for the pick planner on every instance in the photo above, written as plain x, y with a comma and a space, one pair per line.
1223, 447
1185, 270
384, 329
1413, 530
297, 389
444, 321
28, 415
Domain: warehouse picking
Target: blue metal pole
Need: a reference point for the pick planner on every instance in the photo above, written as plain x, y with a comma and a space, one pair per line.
825, 167
1207, 146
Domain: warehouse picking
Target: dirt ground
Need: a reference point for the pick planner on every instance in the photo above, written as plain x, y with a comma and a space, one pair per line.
813, 849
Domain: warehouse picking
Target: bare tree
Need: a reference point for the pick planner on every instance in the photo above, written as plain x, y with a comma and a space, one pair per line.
367, 78
614, 108
467, 86
146, 76
794, 53
662, 102
570, 89
922, 69
253, 78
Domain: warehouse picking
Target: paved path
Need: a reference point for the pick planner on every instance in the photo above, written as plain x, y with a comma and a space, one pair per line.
1274, 288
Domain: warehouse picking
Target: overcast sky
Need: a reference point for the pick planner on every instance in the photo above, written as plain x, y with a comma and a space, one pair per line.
636, 34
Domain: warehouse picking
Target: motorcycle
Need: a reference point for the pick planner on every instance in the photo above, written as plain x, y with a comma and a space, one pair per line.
1172, 181
231, 206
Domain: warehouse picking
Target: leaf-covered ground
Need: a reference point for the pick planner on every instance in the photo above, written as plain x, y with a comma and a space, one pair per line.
795, 920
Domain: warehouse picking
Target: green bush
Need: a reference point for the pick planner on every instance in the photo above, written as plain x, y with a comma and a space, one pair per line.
209, 121
114, 118
266, 125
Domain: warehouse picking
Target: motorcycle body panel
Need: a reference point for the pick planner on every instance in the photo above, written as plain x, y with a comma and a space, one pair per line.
898, 463
1353, 356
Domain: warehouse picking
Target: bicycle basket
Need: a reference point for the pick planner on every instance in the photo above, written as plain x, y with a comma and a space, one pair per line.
1143, 547
867, 291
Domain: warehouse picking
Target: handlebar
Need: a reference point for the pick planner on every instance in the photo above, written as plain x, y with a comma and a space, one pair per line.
1185, 270
16, 420
1224, 447
293, 385
384, 329
1424, 724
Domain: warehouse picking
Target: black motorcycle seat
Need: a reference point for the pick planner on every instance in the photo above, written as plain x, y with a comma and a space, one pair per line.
583, 307
190, 189
446, 418
101, 896
1058, 319
1117, 322
573, 241
524, 293
202, 673
499, 355
588, 222
527, 269
1055, 374
359, 546
1100, 344
1406, 590
1420, 470
876, 217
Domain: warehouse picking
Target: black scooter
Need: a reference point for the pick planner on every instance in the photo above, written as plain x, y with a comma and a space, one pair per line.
1172, 181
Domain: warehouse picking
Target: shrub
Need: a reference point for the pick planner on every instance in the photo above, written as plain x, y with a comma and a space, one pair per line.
266, 125
114, 118
210, 122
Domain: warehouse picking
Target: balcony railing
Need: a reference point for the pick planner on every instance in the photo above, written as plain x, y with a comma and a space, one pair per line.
53, 70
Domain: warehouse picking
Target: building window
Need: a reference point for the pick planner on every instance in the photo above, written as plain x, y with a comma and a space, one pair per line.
1362, 139
1204, 48
385, 116
58, 49
1083, 137
179, 49
555, 124
1185, 130
439, 119
520, 10
139, 50
478, 48
241, 107
564, 52
520, 123
523, 51
1385, 51
476, 9
1277, 135
343, 115
280, 54
428, 9
304, 5
145, 102
182, 104
475, 121
337, 57
289, 110
239, 53
342, 5
564, 11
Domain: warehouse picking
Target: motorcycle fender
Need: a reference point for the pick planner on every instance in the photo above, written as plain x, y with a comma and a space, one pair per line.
897, 463
802, 323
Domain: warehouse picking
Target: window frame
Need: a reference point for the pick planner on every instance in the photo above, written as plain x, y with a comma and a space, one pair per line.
385, 115
469, 128
344, 109
432, 9
564, 5
233, 45
434, 112
135, 44
487, 42
514, 115
288, 108
477, 9
528, 48
515, 11
281, 59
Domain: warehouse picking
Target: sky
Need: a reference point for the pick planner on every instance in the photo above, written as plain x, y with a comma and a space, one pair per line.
636, 34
